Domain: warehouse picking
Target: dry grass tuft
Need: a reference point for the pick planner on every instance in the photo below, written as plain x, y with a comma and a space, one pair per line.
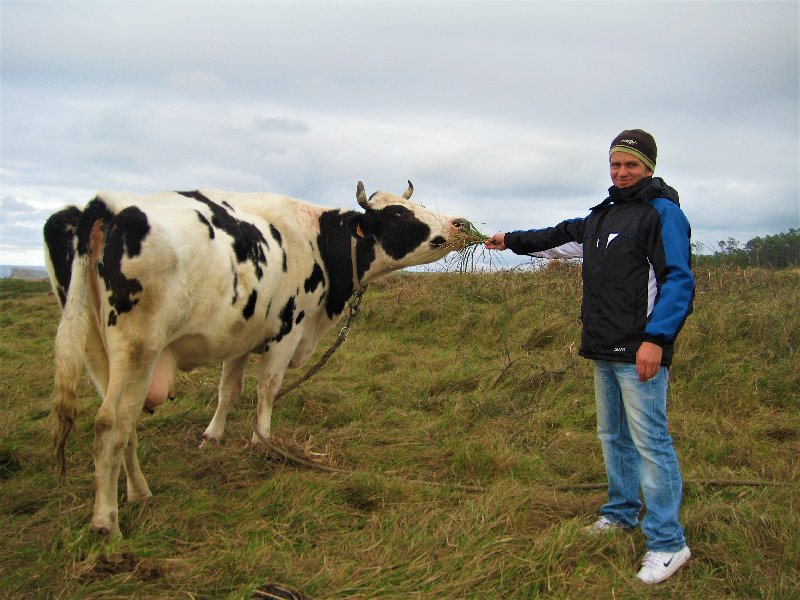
468, 243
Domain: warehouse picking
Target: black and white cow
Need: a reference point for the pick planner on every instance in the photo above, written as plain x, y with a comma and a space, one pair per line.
177, 280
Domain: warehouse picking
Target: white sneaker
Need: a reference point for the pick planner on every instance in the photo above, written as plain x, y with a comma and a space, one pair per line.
602, 525
658, 566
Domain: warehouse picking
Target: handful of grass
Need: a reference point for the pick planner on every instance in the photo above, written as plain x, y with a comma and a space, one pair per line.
467, 242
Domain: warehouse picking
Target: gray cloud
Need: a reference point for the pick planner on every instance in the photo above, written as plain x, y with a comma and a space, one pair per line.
499, 111
20, 229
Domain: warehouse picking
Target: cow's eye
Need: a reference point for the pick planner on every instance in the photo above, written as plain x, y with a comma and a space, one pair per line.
396, 213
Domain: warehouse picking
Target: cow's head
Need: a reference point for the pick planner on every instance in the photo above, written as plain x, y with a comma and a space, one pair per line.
408, 233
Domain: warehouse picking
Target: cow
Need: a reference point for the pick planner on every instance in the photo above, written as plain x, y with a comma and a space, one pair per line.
177, 280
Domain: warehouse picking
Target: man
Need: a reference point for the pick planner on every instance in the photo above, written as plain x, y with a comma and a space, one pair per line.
638, 290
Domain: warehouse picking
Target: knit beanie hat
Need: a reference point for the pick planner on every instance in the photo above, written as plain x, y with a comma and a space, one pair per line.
637, 142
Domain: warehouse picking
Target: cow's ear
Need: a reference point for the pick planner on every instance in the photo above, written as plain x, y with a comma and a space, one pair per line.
356, 224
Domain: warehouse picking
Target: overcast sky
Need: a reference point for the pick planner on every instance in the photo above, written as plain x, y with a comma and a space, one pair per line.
501, 112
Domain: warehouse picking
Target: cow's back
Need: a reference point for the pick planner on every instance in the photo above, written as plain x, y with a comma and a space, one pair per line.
207, 274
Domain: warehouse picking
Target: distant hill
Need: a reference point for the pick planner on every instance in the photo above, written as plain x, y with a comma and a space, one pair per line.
27, 273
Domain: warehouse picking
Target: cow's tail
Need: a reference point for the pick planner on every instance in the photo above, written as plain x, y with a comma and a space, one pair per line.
69, 352
74, 241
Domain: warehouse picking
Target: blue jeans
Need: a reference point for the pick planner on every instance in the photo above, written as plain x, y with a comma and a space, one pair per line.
637, 450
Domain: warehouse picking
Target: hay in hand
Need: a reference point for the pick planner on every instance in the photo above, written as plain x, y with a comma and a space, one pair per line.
467, 242
469, 236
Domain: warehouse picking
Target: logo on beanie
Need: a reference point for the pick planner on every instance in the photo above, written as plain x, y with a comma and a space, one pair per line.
631, 142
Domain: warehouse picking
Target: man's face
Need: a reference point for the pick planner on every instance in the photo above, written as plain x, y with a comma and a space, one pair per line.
627, 170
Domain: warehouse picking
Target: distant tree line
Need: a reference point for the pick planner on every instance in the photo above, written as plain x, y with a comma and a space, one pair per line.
772, 251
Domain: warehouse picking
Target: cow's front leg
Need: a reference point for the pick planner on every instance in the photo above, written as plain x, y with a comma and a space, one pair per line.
270, 377
268, 387
230, 389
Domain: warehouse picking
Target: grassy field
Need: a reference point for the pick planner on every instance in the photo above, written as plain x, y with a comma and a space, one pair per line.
455, 413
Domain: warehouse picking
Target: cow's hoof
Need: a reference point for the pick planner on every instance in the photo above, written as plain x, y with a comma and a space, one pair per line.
106, 531
209, 441
257, 439
140, 496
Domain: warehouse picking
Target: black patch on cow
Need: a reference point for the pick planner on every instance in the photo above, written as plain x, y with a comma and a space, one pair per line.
365, 256
124, 238
438, 241
205, 222
228, 206
279, 238
235, 287
250, 307
335, 247
287, 316
276, 234
95, 211
59, 237
397, 229
248, 241
300, 317
316, 278
286, 319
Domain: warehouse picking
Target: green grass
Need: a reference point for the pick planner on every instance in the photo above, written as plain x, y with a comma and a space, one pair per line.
456, 407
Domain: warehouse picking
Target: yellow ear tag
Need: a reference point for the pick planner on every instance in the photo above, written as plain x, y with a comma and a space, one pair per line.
358, 230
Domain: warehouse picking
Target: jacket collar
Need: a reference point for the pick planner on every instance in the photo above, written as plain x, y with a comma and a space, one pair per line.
645, 190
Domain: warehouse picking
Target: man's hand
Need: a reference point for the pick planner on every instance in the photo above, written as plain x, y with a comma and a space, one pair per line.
648, 360
496, 242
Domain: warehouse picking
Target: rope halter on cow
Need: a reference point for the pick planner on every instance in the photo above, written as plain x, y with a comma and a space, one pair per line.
354, 305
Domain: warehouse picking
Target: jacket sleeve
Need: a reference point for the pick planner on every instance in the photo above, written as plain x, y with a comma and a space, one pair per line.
670, 256
542, 240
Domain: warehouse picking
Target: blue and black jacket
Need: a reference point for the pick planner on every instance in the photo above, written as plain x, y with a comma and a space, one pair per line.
637, 278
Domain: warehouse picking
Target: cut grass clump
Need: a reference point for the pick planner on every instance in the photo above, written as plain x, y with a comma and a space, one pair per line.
468, 242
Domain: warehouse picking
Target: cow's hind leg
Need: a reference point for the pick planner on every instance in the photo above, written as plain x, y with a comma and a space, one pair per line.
97, 365
230, 389
114, 429
96, 360
137, 484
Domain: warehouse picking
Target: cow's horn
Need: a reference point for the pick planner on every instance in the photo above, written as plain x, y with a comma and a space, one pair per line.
361, 196
409, 191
